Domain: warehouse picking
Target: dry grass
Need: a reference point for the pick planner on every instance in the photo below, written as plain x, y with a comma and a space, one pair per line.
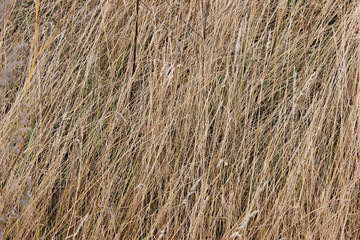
239, 119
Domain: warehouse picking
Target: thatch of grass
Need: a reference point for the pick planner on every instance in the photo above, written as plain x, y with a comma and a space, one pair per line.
180, 119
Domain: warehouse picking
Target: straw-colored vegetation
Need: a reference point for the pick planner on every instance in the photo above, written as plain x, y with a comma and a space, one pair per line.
229, 120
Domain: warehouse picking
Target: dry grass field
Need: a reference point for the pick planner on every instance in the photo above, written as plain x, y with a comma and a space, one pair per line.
180, 119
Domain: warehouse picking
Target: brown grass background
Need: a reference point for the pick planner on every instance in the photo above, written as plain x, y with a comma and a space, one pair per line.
240, 119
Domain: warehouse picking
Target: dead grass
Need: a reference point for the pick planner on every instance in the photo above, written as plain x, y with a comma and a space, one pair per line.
239, 119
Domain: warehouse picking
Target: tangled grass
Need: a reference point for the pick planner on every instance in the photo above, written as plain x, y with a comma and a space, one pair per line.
180, 119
